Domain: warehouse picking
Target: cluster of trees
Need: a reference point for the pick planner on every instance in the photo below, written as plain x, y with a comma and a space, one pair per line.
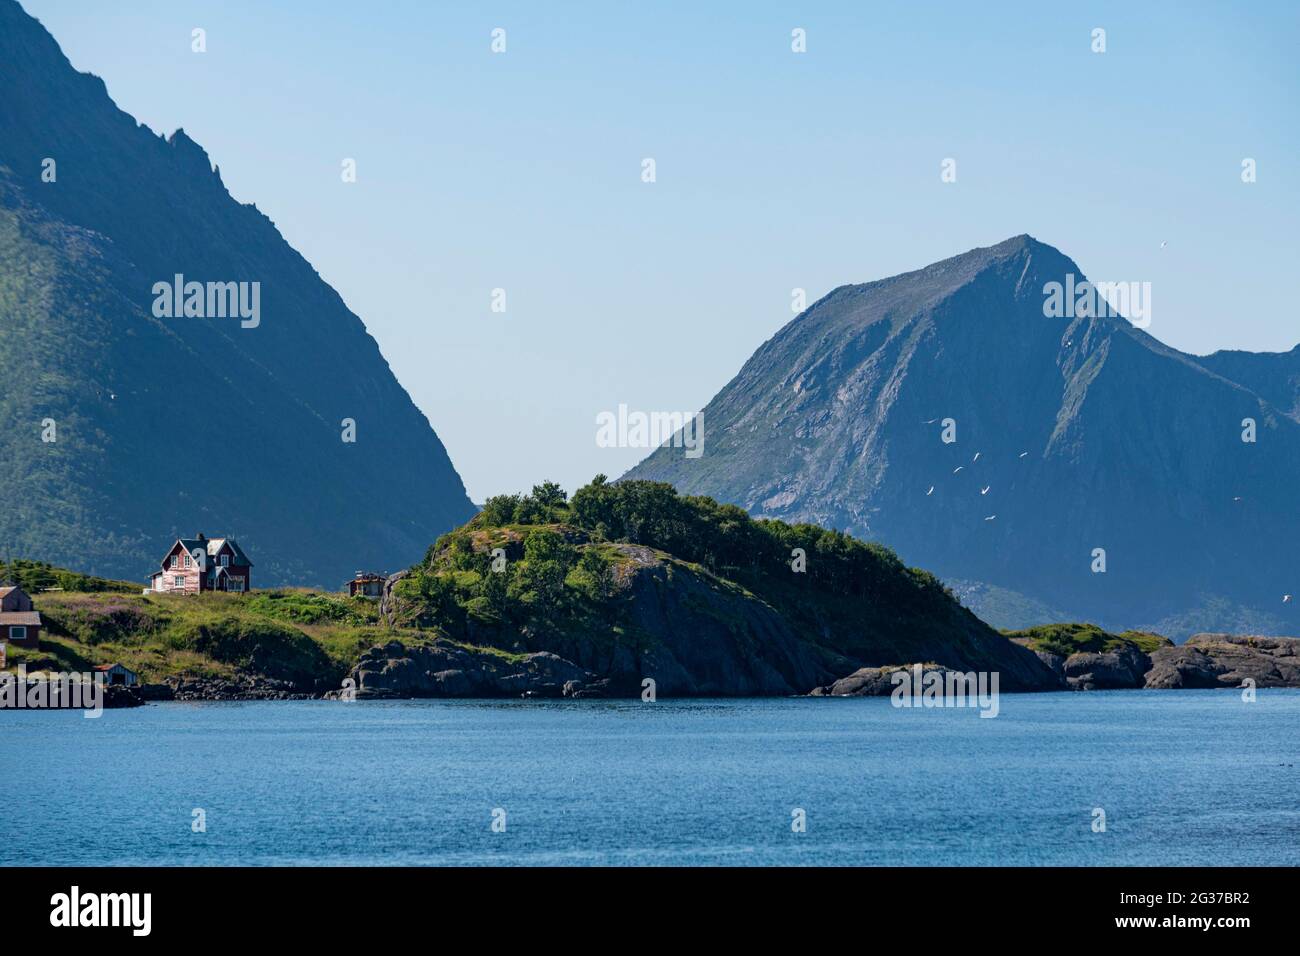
544, 505
727, 541
550, 578
553, 575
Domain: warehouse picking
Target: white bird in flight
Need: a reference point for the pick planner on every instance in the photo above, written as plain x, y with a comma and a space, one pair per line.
976, 458
1164, 243
930, 492
990, 517
1023, 454
1286, 599
985, 489
958, 468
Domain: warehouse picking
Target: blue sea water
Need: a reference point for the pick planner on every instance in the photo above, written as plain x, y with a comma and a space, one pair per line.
1184, 777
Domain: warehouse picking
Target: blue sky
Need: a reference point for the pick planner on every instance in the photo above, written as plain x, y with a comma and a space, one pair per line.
775, 170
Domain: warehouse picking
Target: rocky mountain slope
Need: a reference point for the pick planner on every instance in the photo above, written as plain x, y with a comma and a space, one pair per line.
1072, 434
123, 429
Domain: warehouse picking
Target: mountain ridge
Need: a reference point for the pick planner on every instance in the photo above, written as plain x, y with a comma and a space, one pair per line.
165, 426
1070, 423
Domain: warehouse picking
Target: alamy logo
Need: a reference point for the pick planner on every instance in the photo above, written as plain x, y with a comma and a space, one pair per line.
209, 300
73, 909
650, 430
917, 687
1125, 300
61, 691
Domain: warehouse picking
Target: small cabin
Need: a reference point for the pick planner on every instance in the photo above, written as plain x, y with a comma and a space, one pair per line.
366, 584
118, 676
20, 622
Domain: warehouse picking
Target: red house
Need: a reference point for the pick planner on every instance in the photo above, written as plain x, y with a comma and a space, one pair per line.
20, 623
198, 564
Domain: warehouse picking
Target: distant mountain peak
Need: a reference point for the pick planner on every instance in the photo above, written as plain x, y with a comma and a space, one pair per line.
1089, 434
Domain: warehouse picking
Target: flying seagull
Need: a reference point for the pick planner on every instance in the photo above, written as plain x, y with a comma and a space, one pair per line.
1023, 454
985, 489
990, 517
1165, 243
930, 492
958, 468
1286, 599
976, 458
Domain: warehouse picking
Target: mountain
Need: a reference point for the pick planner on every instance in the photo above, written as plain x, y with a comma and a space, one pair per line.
1274, 376
165, 426
1073, 433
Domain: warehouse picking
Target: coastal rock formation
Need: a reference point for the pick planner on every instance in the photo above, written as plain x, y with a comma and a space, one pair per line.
1225, 660
238, 687
1112, 670
1205, 661
444, 669
872, 681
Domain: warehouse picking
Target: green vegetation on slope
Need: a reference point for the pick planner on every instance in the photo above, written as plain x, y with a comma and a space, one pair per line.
1067, 639
565, 559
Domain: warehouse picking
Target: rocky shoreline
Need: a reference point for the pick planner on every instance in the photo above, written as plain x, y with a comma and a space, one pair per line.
443, 669
1205, 661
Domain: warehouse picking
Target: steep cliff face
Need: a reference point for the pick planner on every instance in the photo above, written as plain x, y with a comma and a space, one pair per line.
166, 425
1072, 433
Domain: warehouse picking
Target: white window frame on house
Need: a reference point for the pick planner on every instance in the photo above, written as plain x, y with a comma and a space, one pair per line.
17, 632
176, 561
187, 560
235, 584
225, 560
178, 583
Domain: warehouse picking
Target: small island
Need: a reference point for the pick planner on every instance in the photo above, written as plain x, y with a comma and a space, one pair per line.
543, 595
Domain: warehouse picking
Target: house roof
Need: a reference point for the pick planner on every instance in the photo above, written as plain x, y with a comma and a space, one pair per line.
21, 618
108, 667
213, 547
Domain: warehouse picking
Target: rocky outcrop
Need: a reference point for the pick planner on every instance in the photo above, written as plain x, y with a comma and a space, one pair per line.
444, 669
238, 687
872, 681
1226, 660
1121, 668
1205, 661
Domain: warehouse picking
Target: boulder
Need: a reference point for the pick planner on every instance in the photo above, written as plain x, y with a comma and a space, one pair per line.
1226, 660
877, 681
444, 669
1122, 668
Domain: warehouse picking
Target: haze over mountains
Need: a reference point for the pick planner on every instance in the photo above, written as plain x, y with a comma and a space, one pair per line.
1072, 434
168, 426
